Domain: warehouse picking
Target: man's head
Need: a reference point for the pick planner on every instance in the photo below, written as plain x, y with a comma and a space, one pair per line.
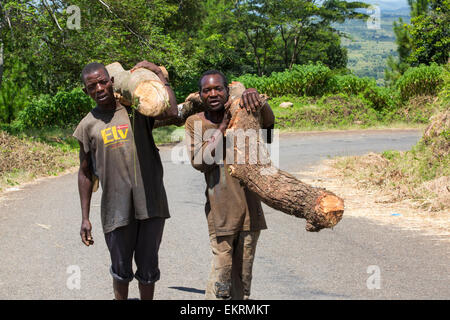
97, 84
213, 88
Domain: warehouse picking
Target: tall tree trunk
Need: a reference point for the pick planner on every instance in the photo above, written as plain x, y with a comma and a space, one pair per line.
286, 48
254, 45
1, 63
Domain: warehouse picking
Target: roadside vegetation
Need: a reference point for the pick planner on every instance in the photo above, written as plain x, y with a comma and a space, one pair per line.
290, 50
25, 159
421, 174
325, 99
321, 100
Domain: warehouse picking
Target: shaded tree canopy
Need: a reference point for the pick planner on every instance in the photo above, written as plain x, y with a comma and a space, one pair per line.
186, 36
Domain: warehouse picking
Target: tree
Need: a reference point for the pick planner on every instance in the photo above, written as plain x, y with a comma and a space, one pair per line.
425, 40
128, 31
254, 21
14, 93
430, 35
290, 26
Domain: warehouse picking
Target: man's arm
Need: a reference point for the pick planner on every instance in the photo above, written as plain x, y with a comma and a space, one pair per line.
252, 103
172, 112
267, 116
268, 121
200, 148
85, 185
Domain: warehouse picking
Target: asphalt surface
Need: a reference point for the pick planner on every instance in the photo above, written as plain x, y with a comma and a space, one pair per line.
43, 257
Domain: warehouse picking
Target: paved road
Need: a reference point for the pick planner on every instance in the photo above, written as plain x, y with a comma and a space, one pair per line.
39, 227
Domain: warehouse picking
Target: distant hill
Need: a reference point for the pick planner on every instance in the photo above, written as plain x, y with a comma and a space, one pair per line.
369, 48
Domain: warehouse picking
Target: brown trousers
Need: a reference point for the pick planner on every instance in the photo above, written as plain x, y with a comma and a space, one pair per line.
231, 266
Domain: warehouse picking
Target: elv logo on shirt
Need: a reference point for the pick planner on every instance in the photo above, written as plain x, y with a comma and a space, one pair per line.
115, 134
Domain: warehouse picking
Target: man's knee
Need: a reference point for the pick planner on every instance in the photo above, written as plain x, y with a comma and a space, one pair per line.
223, 290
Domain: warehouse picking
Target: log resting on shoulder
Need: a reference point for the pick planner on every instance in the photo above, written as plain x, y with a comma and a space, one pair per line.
142, 88
277, 188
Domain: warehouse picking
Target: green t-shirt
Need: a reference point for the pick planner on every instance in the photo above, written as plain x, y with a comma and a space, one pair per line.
128, 164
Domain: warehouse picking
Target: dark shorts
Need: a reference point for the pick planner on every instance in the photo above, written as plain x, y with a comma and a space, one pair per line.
141, 238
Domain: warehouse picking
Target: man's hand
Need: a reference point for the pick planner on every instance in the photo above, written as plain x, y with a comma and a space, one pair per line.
85, 233
149, 66
250, 100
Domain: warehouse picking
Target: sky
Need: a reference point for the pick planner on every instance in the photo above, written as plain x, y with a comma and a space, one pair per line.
388, 4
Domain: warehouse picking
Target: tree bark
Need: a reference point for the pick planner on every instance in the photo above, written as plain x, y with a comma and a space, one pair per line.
142, 88
277, 188
1, 62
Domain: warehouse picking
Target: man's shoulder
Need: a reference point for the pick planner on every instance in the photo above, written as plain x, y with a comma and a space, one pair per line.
89, 117
87, 122
193, 118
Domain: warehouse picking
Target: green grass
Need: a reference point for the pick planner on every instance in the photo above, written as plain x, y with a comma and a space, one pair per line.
27, 156
421, 173
60, 138
169, 134
343, 112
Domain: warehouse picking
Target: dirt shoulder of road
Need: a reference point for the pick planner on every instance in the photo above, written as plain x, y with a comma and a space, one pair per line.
376, 206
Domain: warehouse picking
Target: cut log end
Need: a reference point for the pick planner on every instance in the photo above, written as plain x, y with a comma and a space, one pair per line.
141, 88
153, 98
330, 208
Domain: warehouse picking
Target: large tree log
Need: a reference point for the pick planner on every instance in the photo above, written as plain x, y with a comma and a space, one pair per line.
142, 88
277, 188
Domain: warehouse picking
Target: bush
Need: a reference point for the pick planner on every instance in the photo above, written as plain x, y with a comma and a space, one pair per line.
309, 80
62, 110
350, 84
381, 98
330, 111
422, 80
15, 92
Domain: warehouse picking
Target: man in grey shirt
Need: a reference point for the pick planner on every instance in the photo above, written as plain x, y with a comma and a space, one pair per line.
117, 146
